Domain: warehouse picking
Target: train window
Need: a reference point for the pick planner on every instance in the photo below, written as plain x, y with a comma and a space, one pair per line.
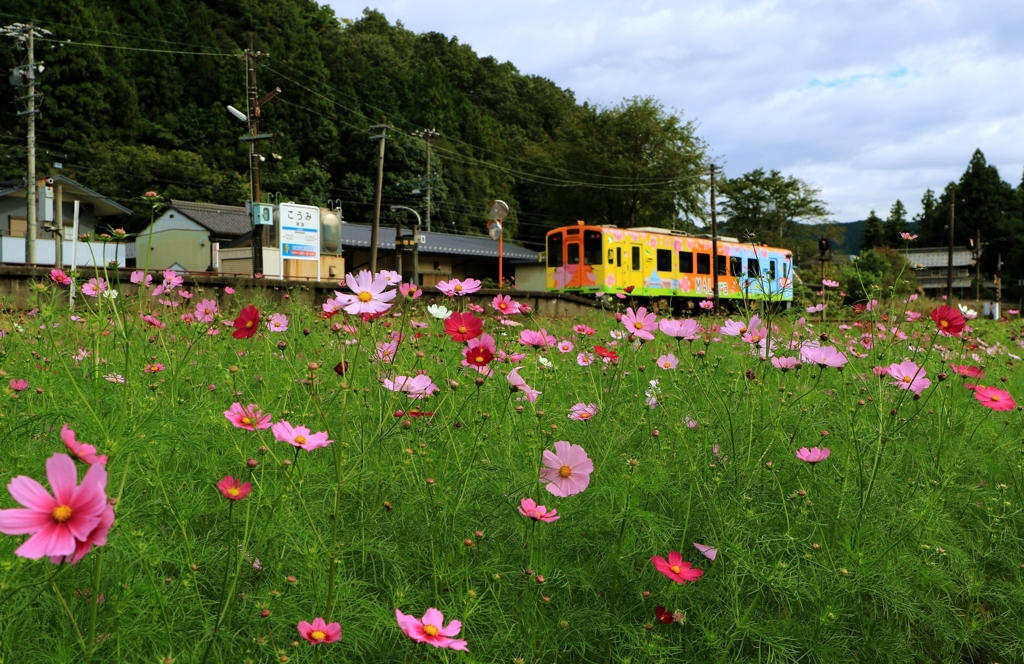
555, 250
618, 256
635, 255
703, 263
686, 261
592, 248
771, 271
664, 260
572, 253
736, 266
722, 262
611, 257
753, 267
573, 231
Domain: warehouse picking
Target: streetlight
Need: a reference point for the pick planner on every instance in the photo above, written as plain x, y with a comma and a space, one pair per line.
399, 242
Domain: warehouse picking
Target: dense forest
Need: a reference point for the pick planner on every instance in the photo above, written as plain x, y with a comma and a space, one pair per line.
134, 97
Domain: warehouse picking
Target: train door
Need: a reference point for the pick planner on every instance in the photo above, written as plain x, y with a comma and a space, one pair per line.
573, 257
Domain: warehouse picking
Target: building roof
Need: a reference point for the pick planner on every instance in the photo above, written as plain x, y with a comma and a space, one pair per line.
101, 205
358, 235
221, 220
939, 257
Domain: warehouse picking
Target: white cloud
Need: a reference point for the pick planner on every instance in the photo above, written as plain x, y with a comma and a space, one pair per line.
870, 101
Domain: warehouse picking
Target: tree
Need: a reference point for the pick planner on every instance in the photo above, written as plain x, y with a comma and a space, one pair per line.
874, 233
929, 226
895, 224
768, 206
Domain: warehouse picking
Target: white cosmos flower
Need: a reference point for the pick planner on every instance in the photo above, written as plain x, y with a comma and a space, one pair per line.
438, 311
110, 293
968, 312
545, 361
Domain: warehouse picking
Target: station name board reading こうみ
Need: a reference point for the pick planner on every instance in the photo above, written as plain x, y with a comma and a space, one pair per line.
300, 232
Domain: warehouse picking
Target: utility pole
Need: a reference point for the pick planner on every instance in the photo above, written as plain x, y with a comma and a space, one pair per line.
25, 76
260, 234
714, 241
949, 269
375, 230
999, 281
426, 135
977, 267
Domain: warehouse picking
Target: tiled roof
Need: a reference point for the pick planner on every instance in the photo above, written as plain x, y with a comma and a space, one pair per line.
939, 257
223, 220
358, 235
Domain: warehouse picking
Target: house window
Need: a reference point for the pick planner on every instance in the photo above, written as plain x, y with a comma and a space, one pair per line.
736, 266
635, 255
962, 272
664, 260
555, 250
703, 263
686, 261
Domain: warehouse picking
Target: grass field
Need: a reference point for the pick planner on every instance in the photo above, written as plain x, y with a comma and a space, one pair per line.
902, 545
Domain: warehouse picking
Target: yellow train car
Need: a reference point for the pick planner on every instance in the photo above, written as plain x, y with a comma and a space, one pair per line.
658, 262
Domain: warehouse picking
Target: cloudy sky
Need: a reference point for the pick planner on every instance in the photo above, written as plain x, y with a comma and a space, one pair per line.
870, 100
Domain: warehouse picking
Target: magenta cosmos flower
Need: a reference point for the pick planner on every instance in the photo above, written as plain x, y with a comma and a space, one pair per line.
994, 398
813, 455
431, 629
566, 470
83, 452
826, 356
676, 568
582, 412
19, 385
233, 489
640, 323
538, 338
455, 287
518, 383
60, 277
63, 526
909, 376
249, 418
505, 304
687, 329
529, 508
299, 436
319, 631
417, 387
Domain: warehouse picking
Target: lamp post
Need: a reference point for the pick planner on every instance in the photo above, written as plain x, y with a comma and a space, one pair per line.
415, 242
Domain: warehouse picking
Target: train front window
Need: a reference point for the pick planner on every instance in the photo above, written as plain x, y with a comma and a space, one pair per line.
703, 263
572, 253
591, 247
555, 250
664, 260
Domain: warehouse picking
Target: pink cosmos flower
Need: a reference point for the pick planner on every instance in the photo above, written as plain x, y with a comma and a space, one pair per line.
172, 279
431, 629
756, 334
67, 524
994, 398
140, 277
457, 288
60, 277
82, 451
530, 509
829, 283
565, 346
816, 308
278, 323
707, 304
582, 412
584, 359
505, 304
539, 339
584, 330
184, 294
233, 489
736, 329
785, 363
907, 236
967, 370
249, 418
319, 631
668, 362
517, 382
417, 387
687, 328
392, 276
228, 290
206, 310
386, 351
153, 368
826, 356
567, 470
813, 455
410, 291
909, 376
369, 294
299, 436
676, 568
19, 385
640, 323
94, 286
153, 321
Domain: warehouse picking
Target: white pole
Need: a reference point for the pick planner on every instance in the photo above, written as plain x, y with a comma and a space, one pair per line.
74, 250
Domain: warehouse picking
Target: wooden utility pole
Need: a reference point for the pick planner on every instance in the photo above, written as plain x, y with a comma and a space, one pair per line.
714, 242
426, 135
977, 267
375, 230
260, 233
949, 269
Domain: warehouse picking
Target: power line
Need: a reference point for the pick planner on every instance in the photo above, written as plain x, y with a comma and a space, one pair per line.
69, 42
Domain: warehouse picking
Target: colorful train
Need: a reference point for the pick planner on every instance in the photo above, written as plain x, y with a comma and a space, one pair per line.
660, 263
